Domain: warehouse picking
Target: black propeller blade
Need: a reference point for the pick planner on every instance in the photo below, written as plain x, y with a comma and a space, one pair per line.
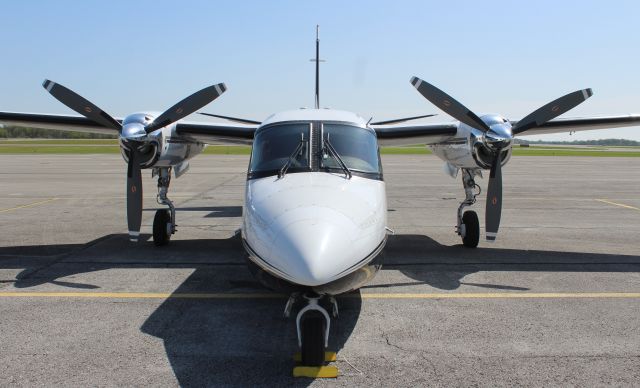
493, 208
81, 105
187, 106
448, 104
552, 110
236, 119
402, 120
134, 194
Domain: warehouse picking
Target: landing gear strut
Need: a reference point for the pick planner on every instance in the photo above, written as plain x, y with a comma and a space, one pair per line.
468, 226
164, 222
313, 323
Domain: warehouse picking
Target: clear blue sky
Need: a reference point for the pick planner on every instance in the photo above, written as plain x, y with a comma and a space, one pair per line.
504, 57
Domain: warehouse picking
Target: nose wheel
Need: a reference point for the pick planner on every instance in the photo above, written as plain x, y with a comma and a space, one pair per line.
162, 227
471, 225
312, 329
313, 323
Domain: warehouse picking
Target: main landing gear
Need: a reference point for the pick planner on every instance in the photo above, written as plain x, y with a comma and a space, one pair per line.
313, 323
468, 226
164, 222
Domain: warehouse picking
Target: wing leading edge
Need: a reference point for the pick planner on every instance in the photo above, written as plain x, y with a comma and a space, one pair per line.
440, 132
217, 133
59, 122
415, 134
581, 124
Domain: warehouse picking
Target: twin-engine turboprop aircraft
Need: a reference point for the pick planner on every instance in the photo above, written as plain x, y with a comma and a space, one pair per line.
315, 212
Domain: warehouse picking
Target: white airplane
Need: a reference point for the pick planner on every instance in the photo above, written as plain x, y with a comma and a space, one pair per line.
315, 212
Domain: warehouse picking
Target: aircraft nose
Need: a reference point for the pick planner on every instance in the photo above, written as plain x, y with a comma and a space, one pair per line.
314, 251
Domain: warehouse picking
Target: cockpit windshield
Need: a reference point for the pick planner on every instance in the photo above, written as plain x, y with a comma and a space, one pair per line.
285, 148
356, 146
273, 146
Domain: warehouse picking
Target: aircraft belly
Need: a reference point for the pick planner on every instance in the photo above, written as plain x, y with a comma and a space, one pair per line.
314, 228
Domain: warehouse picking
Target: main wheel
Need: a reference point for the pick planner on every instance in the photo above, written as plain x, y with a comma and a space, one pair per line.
161, 234
471, 228
312, 340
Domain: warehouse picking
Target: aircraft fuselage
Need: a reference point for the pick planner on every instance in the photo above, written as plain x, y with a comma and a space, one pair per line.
308, 222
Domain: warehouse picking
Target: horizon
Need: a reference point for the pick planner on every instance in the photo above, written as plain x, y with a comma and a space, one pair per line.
127, 57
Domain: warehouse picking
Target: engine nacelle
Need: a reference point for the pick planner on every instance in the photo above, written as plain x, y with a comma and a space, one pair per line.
161, 148
470, 149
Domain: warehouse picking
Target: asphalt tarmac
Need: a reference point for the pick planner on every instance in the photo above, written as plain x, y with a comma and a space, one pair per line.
555, 301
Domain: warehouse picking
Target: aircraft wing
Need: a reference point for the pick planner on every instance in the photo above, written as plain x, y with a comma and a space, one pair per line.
217, 133
49, 121
580, 124
204, 132
415, 134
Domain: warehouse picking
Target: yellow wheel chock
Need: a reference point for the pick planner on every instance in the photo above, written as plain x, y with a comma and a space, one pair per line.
328, 371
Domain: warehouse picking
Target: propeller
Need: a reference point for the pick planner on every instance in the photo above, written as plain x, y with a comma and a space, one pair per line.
552, 110
493, 209
81, 105
134, 135
134, 194
498, 138
187, 106
180, 110
448, 104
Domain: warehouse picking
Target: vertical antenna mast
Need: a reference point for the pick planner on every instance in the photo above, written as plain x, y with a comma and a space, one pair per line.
317, 60
317, 66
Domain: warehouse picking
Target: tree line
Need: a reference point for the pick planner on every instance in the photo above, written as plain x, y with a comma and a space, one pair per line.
600, 142
40, 133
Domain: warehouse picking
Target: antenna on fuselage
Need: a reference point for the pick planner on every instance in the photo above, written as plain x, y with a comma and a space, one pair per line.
317, 61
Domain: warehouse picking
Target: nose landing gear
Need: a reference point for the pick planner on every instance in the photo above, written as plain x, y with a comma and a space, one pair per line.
164, 222
313, 323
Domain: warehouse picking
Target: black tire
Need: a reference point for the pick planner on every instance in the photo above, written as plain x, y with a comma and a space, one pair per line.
160, 222
312, 340
472, 229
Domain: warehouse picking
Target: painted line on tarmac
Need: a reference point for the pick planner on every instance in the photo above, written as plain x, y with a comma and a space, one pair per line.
618, 204
505, 295
474, 295
29, 205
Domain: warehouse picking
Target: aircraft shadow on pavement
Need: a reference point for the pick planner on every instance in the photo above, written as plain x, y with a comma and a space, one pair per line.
214, 211
247, 341
208, 342
444, 267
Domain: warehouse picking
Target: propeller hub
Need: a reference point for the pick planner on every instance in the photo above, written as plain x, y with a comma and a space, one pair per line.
499, 137
133, 131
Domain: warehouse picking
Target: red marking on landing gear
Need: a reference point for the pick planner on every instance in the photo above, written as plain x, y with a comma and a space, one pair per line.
494, 200
134, 189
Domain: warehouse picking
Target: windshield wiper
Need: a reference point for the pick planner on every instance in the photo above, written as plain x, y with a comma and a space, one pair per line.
293, 156
332, 151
